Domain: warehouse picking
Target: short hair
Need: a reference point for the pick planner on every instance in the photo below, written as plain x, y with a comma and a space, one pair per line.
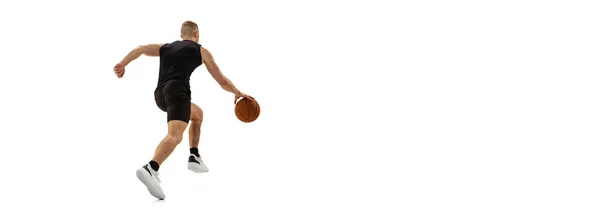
188, 28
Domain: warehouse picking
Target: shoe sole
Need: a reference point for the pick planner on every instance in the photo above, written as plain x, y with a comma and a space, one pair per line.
194, 168
154, 190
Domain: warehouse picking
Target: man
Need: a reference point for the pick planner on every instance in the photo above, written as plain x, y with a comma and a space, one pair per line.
172, 95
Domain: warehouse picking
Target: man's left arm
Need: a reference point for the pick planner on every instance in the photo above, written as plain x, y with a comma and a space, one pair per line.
148, 50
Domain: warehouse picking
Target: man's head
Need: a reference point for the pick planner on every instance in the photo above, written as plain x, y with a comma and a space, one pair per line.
189, 31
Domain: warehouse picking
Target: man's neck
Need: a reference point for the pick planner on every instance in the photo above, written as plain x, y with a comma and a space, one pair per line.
190, 39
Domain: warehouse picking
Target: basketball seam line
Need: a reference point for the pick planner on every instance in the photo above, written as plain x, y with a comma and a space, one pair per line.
247, 109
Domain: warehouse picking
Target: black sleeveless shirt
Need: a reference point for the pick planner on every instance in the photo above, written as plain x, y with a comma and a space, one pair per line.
177, 62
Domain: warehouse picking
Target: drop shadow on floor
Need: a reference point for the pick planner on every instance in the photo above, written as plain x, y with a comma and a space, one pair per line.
158, 202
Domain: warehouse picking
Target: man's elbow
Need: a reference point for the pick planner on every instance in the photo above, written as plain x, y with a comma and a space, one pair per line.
139, 50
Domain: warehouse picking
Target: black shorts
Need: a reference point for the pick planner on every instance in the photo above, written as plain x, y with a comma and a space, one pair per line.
175, 99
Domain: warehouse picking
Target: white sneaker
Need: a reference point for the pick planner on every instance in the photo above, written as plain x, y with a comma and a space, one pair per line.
150, 178
196, 164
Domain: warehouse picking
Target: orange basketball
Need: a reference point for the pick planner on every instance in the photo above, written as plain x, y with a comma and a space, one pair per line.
247, 110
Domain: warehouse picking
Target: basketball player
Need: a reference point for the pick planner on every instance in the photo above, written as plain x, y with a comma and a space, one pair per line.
172, 95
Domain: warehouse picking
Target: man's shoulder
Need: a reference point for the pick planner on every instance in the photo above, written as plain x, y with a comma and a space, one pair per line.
164, 44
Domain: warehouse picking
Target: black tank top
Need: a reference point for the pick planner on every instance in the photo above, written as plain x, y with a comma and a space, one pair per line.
177, 62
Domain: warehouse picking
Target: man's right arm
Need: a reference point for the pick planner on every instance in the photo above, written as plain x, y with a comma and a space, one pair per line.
215, 72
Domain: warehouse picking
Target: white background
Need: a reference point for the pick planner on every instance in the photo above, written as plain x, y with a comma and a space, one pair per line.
368, 108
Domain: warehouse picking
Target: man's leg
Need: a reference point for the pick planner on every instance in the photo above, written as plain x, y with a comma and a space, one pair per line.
196, 118
195, 162
168, 144
175, 100
148, 174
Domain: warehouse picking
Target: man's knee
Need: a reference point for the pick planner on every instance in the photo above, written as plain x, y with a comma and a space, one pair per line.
196, 113
176, 129
174, 138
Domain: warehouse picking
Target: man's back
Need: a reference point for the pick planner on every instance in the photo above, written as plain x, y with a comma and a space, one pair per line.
178, 60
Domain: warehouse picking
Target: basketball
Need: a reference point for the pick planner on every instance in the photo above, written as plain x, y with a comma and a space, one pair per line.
247, 110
